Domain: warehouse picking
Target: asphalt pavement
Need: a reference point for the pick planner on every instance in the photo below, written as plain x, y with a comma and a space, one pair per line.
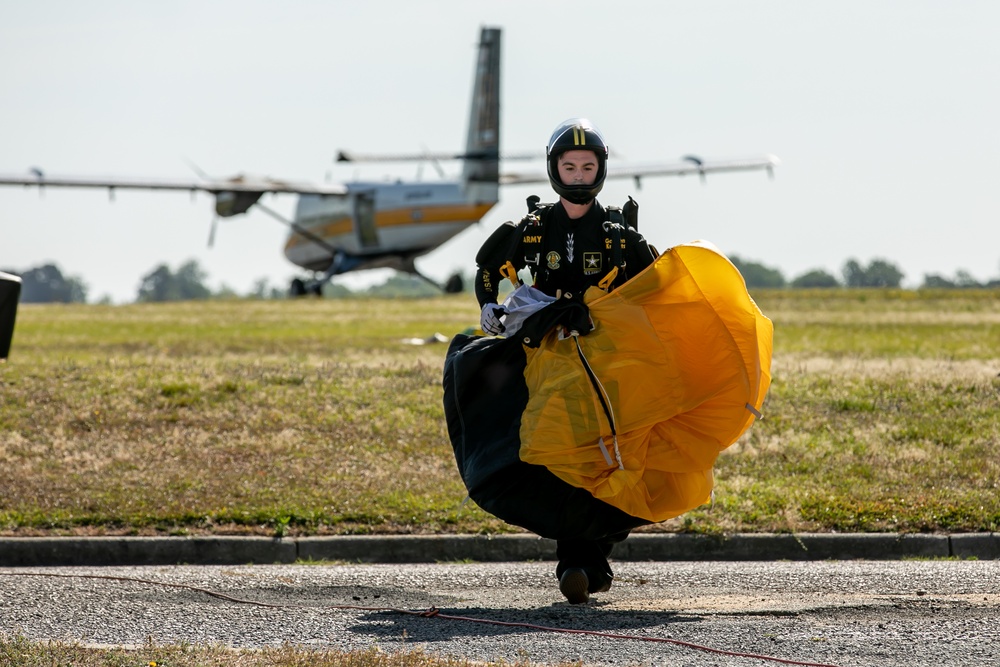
877, 600
871, 613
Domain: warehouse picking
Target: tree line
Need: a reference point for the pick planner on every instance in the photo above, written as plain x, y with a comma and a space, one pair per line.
48, 284
878, 273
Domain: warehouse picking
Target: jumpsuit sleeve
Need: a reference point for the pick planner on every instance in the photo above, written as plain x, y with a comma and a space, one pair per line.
500, 247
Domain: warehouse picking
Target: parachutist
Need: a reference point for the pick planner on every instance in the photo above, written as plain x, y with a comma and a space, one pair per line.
568, 246
584, 442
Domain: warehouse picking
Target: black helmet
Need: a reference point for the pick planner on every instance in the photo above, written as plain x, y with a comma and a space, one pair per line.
576, 134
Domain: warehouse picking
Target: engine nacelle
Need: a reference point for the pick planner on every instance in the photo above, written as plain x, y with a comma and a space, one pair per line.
228, 204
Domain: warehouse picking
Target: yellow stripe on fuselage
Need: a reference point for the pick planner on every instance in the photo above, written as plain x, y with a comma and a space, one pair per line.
416, 215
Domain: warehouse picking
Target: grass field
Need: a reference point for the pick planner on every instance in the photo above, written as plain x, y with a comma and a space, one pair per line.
320, 417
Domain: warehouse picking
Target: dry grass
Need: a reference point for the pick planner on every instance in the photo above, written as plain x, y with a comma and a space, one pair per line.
884, 414
186, 418
319, 417
19, 652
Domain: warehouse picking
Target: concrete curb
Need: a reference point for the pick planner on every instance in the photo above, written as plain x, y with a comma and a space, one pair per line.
224, 550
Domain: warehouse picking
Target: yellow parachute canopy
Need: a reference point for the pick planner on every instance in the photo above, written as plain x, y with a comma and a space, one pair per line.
682, 355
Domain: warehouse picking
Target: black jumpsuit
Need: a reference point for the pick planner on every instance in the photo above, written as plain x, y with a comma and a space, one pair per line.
562, 254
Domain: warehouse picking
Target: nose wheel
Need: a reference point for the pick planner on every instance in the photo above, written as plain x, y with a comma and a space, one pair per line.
454, 284
300, 288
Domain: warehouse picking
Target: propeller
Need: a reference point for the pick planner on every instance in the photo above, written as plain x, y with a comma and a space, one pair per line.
434, 161
698, 162
211, 231
215, 219
40, 175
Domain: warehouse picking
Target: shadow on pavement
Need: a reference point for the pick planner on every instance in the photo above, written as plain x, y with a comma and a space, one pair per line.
490, 622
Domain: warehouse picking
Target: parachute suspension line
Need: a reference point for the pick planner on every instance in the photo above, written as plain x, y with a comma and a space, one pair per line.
605, 400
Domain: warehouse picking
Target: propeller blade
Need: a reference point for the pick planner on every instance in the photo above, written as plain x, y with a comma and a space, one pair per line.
196, 169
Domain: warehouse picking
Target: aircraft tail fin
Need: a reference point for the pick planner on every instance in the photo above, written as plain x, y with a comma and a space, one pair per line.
481, 171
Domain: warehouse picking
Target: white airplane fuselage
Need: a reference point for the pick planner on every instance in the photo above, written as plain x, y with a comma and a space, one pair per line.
382, 224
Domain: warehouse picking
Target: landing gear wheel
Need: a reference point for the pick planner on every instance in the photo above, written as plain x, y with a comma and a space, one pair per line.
454, 284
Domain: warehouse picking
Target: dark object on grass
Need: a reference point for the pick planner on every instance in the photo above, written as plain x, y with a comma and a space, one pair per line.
10, 292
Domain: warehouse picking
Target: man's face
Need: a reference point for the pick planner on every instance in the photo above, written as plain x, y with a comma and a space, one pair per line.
577, 167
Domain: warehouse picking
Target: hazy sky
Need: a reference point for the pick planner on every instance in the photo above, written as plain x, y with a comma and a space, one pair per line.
886, 116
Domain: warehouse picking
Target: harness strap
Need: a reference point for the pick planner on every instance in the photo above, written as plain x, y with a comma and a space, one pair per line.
510, 273
608, 279
614, 223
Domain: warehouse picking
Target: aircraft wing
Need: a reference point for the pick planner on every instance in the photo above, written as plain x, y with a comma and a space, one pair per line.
688, 165
255, 185
233, 196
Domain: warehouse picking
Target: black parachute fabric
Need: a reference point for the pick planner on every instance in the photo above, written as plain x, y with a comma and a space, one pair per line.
484, 397
10, 291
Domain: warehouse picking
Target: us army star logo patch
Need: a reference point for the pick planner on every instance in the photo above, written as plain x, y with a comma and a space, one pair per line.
552, 260
591, 262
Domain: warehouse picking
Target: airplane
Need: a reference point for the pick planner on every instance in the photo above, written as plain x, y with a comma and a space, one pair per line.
358, 225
